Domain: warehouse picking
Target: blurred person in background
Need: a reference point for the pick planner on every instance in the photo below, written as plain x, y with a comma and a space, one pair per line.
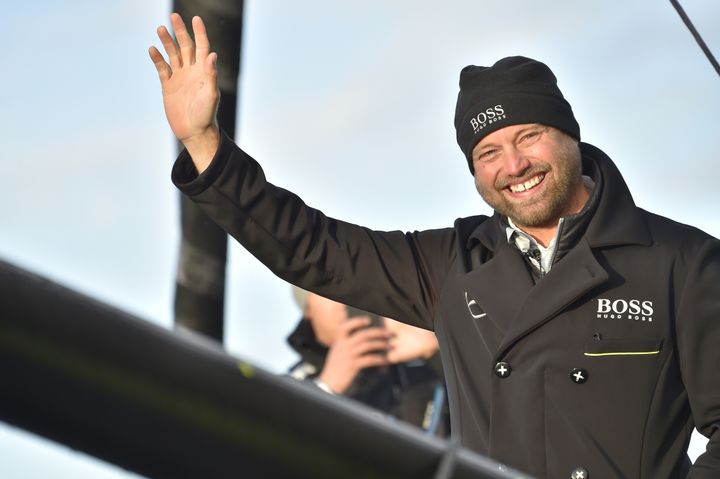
387, 365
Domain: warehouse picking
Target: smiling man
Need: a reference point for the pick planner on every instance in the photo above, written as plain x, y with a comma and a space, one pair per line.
531, 174
579, 333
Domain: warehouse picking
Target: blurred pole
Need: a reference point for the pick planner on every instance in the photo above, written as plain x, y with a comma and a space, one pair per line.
200, 282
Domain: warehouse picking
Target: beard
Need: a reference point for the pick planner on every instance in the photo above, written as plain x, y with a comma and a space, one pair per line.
554, 202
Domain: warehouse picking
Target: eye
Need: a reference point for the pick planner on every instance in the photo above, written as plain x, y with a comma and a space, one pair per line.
487, 156
530, 137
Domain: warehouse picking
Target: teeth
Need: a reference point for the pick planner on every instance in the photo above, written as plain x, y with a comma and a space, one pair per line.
526, 185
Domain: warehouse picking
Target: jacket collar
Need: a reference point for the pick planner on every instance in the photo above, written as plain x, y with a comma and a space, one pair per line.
615, 221
304, 342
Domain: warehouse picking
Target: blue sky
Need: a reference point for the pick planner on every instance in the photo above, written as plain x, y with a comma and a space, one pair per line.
349, 104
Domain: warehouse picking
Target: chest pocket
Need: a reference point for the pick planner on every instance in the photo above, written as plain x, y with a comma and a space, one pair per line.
623, 347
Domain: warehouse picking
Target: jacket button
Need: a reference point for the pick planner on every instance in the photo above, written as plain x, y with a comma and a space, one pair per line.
503, 369
579, 473
579, 376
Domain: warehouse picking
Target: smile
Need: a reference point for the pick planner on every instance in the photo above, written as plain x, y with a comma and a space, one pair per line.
527, 185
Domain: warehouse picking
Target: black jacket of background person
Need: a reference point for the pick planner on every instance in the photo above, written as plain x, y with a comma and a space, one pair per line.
412, 392
635, 304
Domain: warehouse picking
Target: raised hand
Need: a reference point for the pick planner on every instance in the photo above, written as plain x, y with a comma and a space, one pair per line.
189, 88
355, 348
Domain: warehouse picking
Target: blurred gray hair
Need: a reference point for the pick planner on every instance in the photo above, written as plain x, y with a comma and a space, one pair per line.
300, 297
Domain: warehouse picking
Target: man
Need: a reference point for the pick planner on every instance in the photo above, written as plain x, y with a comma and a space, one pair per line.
578, 332
389, 366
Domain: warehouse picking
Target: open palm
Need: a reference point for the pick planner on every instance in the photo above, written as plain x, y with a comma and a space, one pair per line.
189, 81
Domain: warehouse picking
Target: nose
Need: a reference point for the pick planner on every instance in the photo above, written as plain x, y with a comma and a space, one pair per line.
516, 163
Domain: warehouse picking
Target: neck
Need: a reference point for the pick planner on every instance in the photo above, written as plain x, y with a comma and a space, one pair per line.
542, 234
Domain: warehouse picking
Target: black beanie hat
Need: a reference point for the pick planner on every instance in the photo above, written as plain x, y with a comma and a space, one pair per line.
514, 91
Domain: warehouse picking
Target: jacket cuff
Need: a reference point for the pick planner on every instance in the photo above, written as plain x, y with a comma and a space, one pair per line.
185, 176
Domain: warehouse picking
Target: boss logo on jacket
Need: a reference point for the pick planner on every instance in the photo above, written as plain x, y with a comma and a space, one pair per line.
639, 310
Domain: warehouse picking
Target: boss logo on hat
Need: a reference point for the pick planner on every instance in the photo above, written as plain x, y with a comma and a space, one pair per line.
484, 118
635, 309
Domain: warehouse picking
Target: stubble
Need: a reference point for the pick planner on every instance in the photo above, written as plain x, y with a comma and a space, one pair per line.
554, 202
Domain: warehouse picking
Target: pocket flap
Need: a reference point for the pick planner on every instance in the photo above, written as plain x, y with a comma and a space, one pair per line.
623, 347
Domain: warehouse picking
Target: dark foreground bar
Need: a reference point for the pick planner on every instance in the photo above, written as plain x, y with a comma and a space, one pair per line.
171, 405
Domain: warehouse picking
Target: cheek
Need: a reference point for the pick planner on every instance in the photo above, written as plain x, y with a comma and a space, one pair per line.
326, 327
484, 180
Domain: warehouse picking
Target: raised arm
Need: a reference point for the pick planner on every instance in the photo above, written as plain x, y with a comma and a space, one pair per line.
389, 273
189, 88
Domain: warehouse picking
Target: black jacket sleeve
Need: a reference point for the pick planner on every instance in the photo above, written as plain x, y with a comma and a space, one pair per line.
394, 274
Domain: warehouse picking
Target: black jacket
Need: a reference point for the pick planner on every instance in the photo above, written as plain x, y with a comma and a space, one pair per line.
606, 364
412, 392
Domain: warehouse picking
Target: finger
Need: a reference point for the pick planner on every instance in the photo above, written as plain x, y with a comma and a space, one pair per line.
348, 327
394, 338
369, 334
161, 65
202, 44
211, 64
170, 47
374, 346
187, 46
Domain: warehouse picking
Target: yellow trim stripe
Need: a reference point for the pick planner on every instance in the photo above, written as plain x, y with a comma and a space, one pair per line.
629, 353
